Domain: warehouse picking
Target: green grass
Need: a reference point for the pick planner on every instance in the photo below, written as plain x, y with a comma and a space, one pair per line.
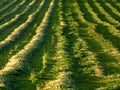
68, 45
10, 8
4, 4
14, 11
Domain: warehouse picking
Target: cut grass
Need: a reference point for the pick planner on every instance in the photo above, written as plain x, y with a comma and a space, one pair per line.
66, 45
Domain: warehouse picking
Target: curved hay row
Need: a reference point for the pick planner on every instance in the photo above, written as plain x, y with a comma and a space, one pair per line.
17, 16
5, 3
116, 32
4, 14
99, 21
19, 30
113, 9
115, 6
97, 69
21, 40
67, 65
107, 48
112, 51
19, 60
8, 6
63, 80
107, 11
88, 13
111, 20
84, 58
94, 15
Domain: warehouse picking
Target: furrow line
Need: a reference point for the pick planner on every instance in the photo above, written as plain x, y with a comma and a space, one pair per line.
10, 41
98, 21
104, 44
5, 3
6, 21
110, 34
61, 69
114, 5
87, 15
13, 24
106, 49
14, 3
68, 62
103, 15
19, 61
107, 11
5, 13
108, 17
113, 9
80, 25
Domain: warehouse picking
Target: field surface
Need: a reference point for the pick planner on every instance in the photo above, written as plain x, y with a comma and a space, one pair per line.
59, 44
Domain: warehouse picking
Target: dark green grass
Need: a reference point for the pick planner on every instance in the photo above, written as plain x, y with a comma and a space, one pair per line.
85, 12
5, 3
118, 27
22, 80
108, 10
1, 1
70, 32
114, 5
4, 32
99, 14
72, 59
11, 15
102, 57
104, 30
10, 8
22, 40
29, 11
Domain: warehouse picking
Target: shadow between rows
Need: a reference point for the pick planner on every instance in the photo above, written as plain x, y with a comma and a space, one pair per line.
104, 59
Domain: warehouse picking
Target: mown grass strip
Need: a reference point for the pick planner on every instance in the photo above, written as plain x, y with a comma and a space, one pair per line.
5, 3
95, 17
83, 53
67, 64
59, 77
82, 34
109, 11
9, 7
13, 24
114, 10
107, 16
101, 13
108, 63
83, 67
12, 42
28, 49
114, 5
87, 15
16, 10
110, 35
9, 18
